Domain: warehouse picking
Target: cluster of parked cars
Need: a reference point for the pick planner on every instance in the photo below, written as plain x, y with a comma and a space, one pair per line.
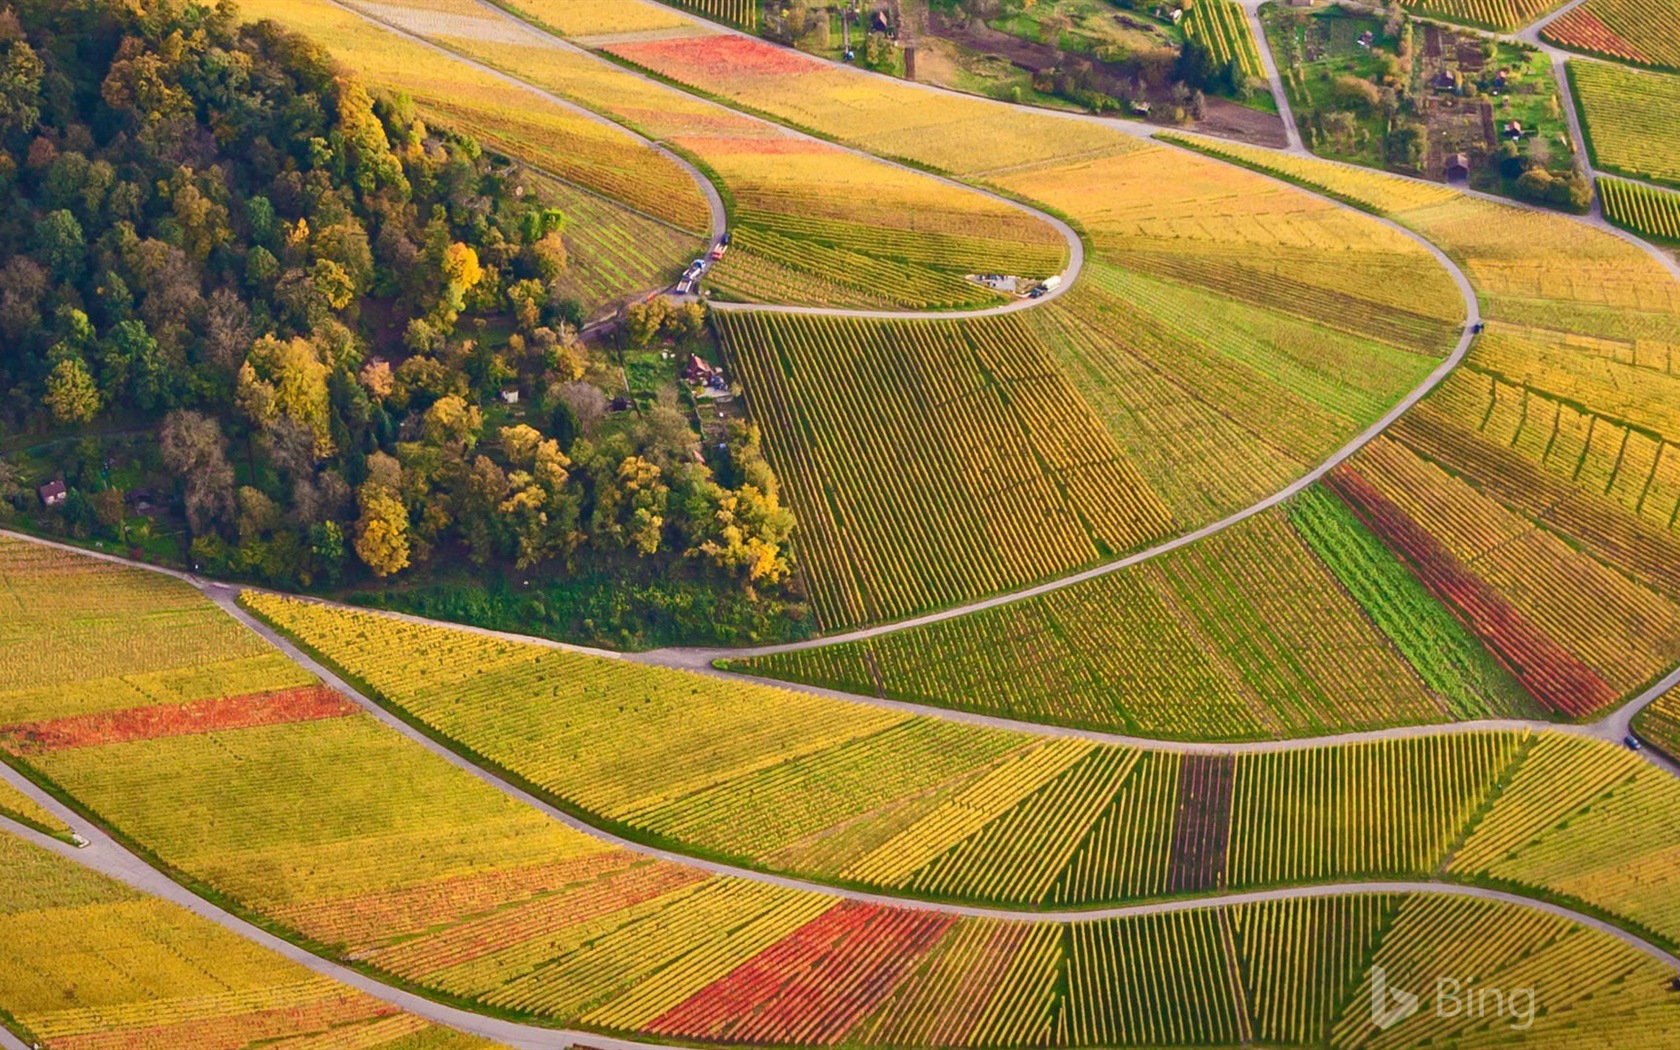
689, 284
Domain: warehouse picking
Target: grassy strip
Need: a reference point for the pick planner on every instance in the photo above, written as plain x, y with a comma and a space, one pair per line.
1448, 658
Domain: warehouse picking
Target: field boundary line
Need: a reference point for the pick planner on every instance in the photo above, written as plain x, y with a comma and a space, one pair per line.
1613, 726
714, 200
108, 856
720, 222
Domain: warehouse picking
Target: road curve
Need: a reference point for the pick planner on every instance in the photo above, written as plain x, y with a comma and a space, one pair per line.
1268, 62
714, 201
720, 219
1614, 726
109, 857
693, 657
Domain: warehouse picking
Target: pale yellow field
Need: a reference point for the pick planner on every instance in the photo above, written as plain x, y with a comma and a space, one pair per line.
592, 17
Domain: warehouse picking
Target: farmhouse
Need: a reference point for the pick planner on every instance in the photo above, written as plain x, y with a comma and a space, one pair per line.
699, 370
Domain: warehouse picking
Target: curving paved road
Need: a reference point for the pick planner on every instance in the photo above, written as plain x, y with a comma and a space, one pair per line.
720, 220
714, 202
1614, 726
1268, 62
109, 857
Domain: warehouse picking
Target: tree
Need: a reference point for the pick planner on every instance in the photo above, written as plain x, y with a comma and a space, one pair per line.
133, 359
20, 79
1196, 66
1355, 93
72, 395
548, 255
61, 243
643, 321
461, 271
382, 530
288, 377
195, 451
326, 547
1405, 145
452, 423
527, 298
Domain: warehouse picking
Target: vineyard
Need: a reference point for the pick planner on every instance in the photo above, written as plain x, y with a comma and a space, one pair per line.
610, 848
504, 116
952, 133
1445, 655
1645, 210
15, 805
613, 252
1562, 823
936, 808
932, 462
1660, 724
1193, 387
1629, 119
1199, 652
813, 224
142, 973
1494, 14
1222, 26
332, 826
743, 13
583, 18
1644, 32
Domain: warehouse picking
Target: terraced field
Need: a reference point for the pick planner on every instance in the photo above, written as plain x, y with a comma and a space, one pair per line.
1493, 14
1177, 335
139, 972
1508, 549
300, 809
1650, 212
1222, 26
1628, 116
16, 806
1247, 634
891, 801
1541, 516
888, 433
1644, 32
813, 224
1660, 724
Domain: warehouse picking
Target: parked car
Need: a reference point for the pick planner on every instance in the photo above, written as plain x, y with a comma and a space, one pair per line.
1633, 743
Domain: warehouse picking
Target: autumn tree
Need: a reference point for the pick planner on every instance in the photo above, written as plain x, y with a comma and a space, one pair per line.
72, 395
196, 452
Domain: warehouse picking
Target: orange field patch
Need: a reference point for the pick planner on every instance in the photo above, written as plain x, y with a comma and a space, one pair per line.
1582, 30
305, 704
719, 56
374, 918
